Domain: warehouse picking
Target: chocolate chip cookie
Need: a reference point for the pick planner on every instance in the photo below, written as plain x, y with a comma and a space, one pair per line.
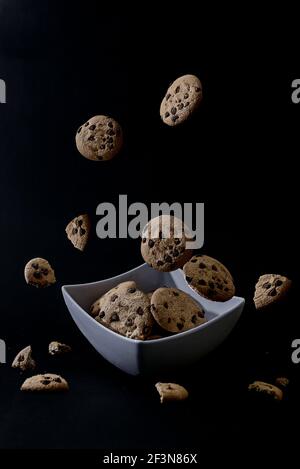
181, 100
24, 360
266, 389
39, 273
270, 288
78, 231
171, 392
175, 311
209, 278
163, 244
48, 382
126, 310
99, 139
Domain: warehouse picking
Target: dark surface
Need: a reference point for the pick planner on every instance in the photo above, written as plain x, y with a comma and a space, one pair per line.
238, 155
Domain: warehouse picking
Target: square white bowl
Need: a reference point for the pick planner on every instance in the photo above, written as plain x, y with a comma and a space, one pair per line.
136, 356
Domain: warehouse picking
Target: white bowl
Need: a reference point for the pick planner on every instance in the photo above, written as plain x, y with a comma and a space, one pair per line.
136, 356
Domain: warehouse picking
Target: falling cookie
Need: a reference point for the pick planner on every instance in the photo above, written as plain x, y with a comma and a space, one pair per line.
270, 289
175, 311
78, 231
171, 392
48, 382
39, 273
126, 310
163, 244
24, 360
99, 139
209, 278
181, 100
282, 382
57, 348
266, 389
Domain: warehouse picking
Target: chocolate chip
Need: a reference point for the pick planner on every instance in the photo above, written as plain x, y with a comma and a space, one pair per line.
267, 285
92, 127
35, 266
82, 231
79, 130
272, 292
187, 104
166, 305
91, 138
225, 281
174, 118
111, 132
175, 293
151, 243
86, 124
193, 260
177, 240
110, 146
114, 317
168, 96
179, 325
200, 314
79, 222
173, 110
101, 148
101, 314
214, 268
131, 290
201, 282
110, 140
167, 114
113, 297
186, 95
180, 106
37, 275
198, 89
159, 263
146, 330
219, 286
168, 259
129, 322
278, 283
153, 307
211, 285
202, 265
210, 292
110, 124
140, 311
74, 231
57, 380
226, 289
45, 382
177, 89
188, 279
194, 319
45, 271
175, 253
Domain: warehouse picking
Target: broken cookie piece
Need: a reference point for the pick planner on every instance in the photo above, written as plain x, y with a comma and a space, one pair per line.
282, 382
78, 231
270, 288
57, 348
24, 360
39, 273
47, 382
171, 392
266, 389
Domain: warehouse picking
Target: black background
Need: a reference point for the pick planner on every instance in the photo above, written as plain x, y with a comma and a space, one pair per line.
64, 63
